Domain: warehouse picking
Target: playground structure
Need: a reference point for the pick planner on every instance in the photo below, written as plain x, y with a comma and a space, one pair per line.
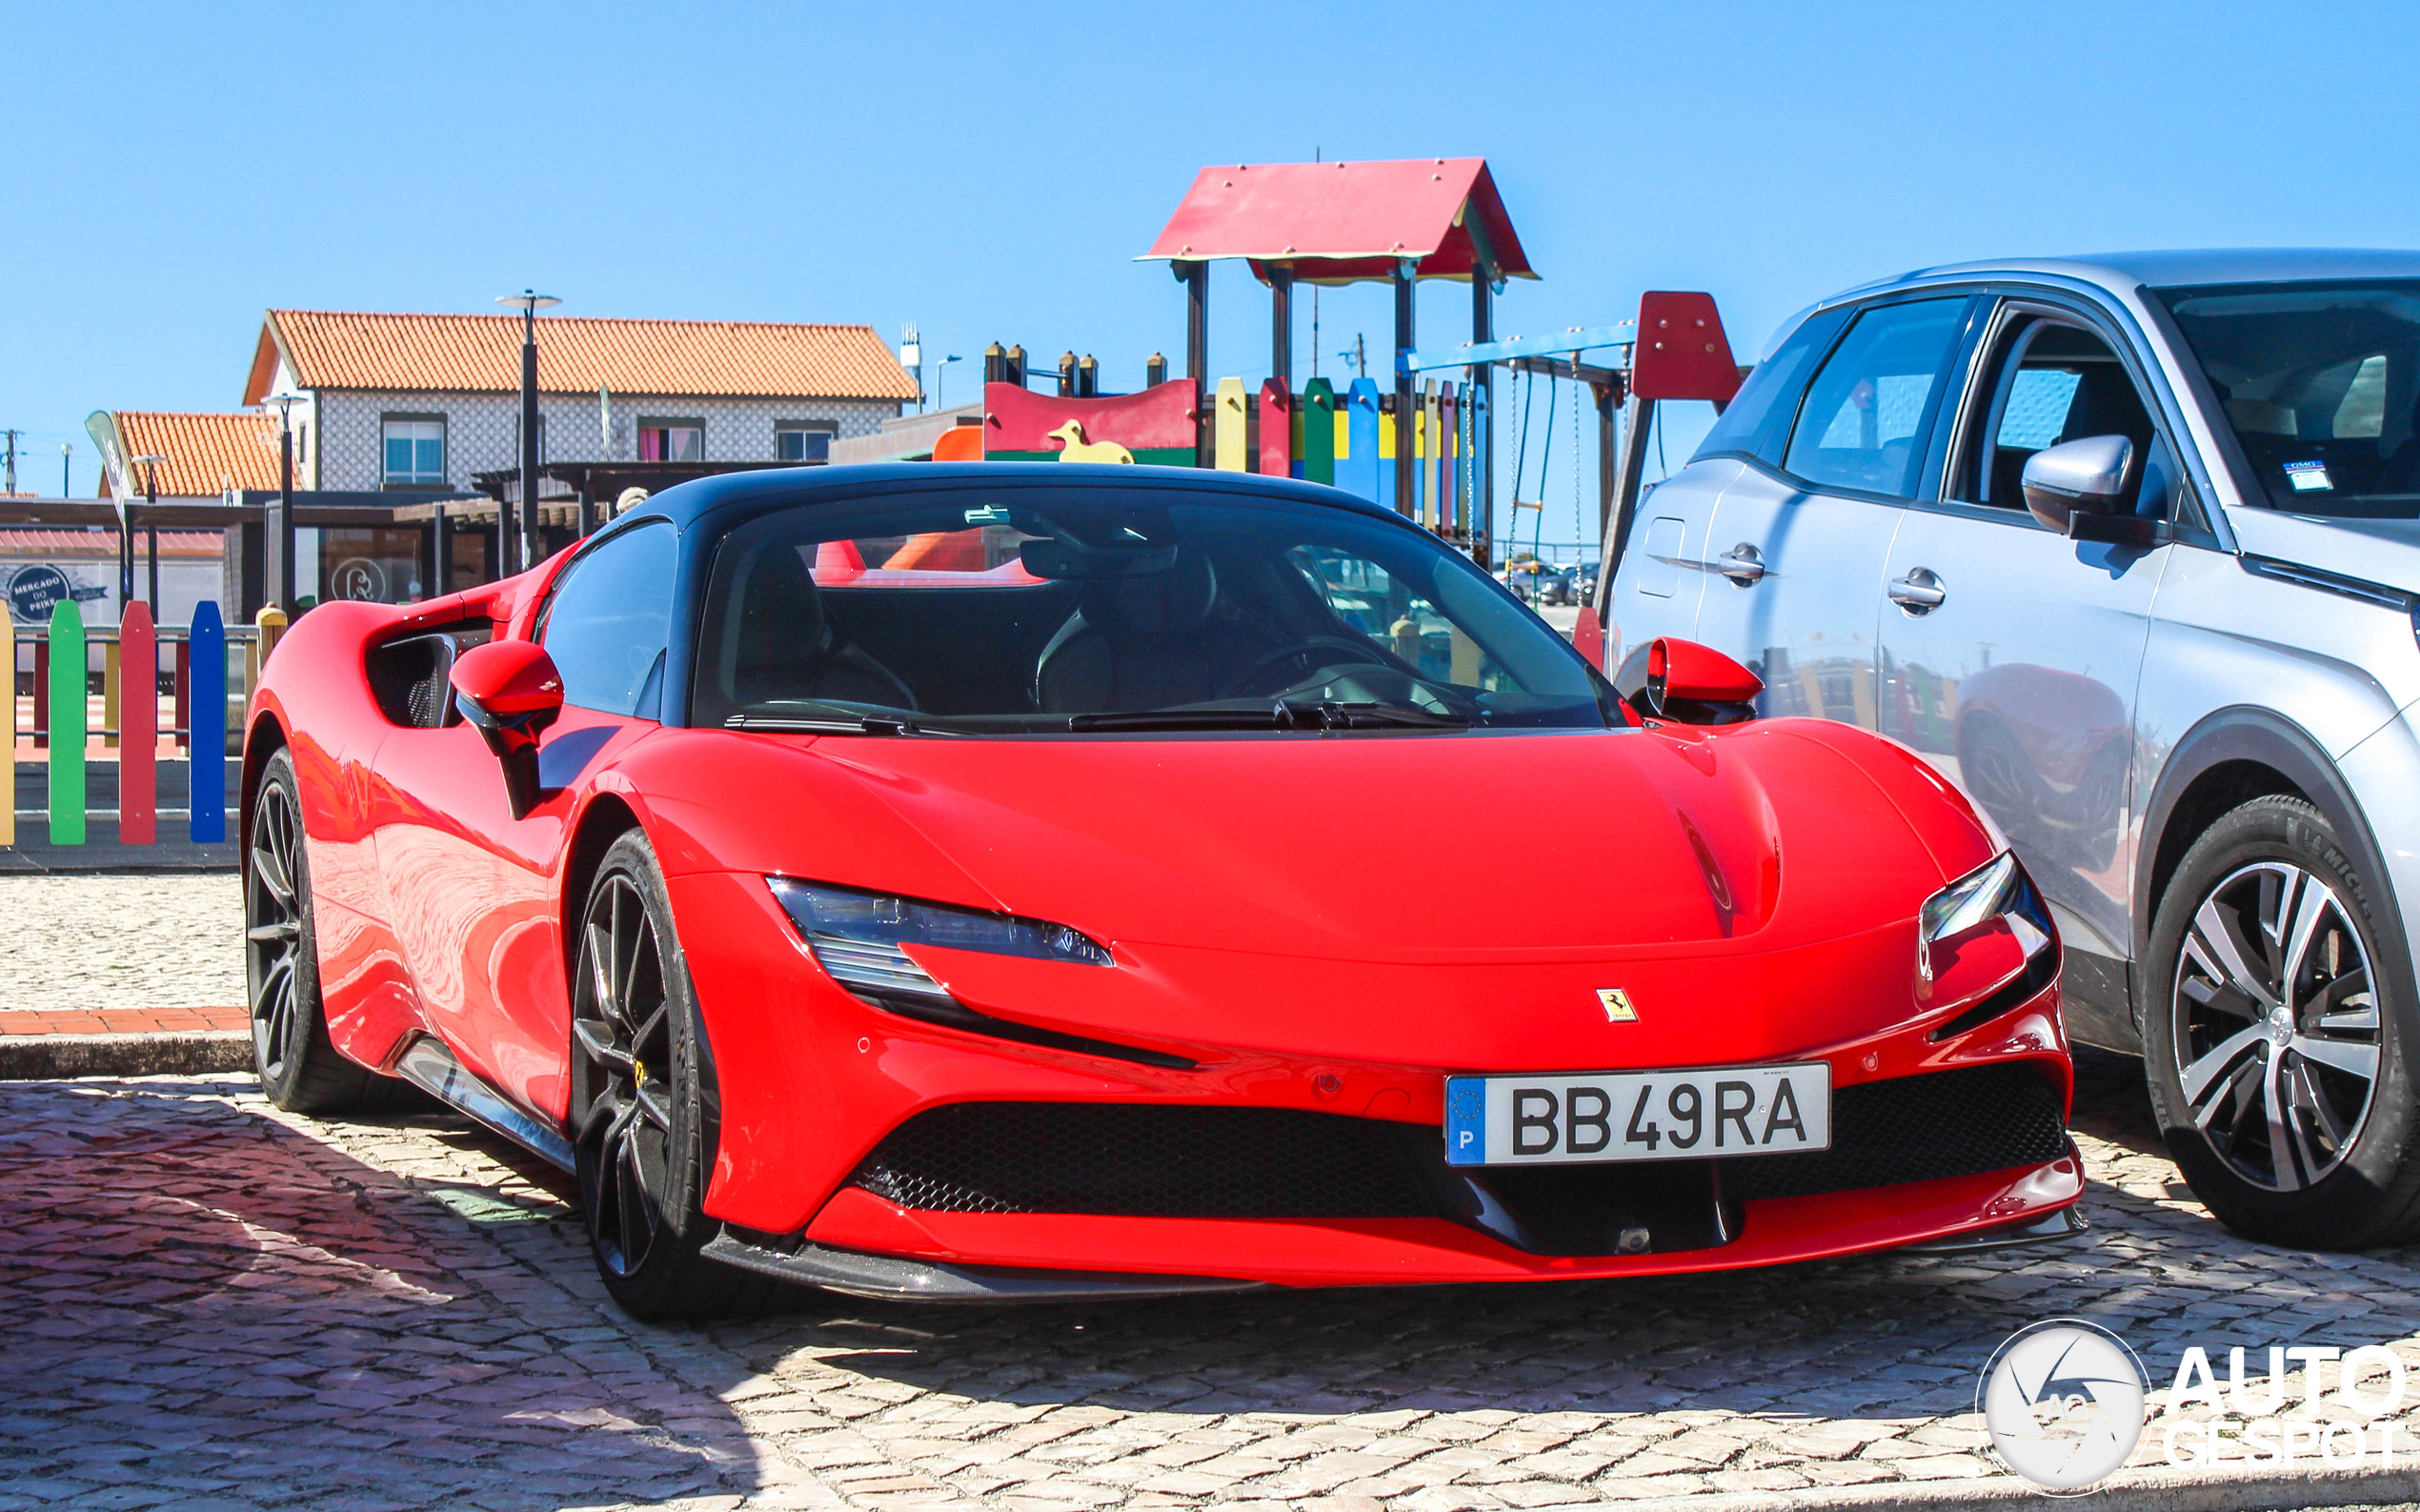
1428, 446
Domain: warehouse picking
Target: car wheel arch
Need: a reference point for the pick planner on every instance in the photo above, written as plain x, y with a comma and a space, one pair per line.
2227, 759
263, 739
605, 819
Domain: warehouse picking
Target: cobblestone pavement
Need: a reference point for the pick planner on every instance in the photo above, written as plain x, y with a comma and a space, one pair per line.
211, 1304
151, 942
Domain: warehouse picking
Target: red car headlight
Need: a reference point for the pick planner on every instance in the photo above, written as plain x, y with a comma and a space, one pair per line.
1997, 891
856, 936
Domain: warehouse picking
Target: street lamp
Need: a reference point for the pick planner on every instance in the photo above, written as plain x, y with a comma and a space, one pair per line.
941, 371
277, 575
150, 465
529, 302
67, 483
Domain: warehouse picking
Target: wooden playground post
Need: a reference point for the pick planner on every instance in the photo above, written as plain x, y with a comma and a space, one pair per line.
1405, 399
1196, 278
207, 803
1282, 326
68, 716
138, 726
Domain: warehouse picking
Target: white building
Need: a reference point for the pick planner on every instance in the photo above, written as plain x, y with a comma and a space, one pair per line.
406, 401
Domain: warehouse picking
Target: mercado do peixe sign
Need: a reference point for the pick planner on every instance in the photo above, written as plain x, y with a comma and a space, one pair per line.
36, 589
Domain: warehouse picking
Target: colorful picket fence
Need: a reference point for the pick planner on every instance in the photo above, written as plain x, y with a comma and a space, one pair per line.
1320, 436
205, 720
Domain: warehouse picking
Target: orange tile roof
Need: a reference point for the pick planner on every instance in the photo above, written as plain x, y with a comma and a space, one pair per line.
482, 354
206, 453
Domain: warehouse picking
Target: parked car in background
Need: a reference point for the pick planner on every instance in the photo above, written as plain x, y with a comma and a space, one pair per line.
2129, 547
998, 880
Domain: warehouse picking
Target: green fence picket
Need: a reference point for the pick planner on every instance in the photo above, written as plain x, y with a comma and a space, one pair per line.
1318, 451
68, 717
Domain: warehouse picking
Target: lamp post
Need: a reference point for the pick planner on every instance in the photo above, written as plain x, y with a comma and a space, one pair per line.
66, 476
941, 371
150, 465
529, 302
278, 568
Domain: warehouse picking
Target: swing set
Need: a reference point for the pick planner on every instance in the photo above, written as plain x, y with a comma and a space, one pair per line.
1674, 350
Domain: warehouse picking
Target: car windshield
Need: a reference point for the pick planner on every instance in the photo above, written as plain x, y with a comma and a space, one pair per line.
2319, 382
1076, 609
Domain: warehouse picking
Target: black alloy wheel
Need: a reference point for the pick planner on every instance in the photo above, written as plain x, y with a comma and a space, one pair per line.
2276, 1055
299, 1069
641, 1105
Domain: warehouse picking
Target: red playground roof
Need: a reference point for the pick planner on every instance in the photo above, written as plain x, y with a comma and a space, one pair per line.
1340, 222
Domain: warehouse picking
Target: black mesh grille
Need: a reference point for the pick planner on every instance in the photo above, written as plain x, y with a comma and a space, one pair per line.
1159, 1161
1916, 1129
1145, 1160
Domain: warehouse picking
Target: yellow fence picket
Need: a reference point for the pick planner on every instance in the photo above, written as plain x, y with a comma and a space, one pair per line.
1231, 413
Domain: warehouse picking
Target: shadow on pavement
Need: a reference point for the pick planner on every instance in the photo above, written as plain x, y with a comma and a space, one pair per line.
197, 1299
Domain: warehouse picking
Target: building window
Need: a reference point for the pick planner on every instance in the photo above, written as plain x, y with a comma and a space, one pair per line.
803, 441
415, 450
671, 440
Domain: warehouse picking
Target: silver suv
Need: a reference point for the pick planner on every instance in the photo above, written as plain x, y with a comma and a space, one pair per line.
2130, 548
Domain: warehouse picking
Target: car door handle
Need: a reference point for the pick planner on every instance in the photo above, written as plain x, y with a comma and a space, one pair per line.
1741, 564
1919, 590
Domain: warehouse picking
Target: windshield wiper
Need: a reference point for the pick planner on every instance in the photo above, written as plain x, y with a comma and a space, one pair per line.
1176, 719
1319, 717
1379, 716
838, 724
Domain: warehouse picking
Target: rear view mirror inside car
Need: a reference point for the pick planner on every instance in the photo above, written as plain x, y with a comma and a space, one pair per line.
1063, 557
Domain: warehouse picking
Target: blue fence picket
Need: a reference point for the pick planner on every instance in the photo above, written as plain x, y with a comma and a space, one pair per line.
1357, 469
209, 706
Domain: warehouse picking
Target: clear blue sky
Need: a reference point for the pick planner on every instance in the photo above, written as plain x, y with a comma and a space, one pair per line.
990, 172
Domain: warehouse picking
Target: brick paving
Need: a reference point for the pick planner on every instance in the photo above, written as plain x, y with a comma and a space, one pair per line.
222, 1018
210, 1304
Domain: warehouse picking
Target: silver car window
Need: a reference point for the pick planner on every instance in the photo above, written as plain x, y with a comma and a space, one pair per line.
1861, 427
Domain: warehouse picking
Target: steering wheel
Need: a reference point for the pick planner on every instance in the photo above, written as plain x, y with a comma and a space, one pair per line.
1354, 650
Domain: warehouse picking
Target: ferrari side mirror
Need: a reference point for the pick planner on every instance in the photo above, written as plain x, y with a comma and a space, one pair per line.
1687, 683
509, 690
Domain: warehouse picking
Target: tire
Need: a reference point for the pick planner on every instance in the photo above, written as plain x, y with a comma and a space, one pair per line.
642, 1105
2289, 1107
299, 1069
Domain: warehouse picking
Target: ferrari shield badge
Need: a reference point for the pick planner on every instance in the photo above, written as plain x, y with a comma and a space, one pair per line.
1618, 1009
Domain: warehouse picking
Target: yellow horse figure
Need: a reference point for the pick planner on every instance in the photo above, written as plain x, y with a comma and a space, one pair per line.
1079, 449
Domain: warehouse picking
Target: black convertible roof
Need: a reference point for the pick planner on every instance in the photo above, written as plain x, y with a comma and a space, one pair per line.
733, 499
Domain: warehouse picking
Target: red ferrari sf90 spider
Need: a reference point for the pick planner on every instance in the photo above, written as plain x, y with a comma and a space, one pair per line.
1019, 880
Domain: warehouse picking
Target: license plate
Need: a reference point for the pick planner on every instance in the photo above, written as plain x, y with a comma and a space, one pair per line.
1637, 1115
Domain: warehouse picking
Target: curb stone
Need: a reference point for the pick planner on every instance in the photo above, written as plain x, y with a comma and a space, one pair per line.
50, 1057
2128, 1491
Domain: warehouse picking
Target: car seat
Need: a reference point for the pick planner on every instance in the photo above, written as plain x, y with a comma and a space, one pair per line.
1135, 643
788, 648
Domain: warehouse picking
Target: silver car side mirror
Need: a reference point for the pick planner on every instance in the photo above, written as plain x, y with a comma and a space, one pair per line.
2088, 476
